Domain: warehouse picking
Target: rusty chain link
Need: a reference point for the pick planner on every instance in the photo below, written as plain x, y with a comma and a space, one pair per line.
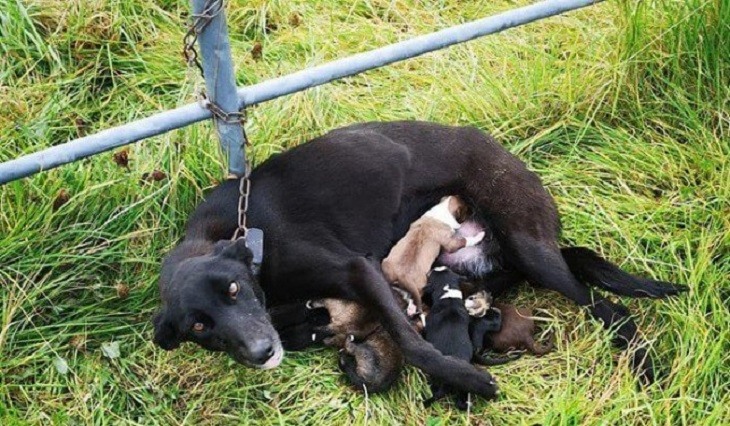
198, 23
244, 190
218, 112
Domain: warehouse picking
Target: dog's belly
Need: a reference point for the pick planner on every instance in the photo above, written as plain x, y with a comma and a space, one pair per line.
476, 261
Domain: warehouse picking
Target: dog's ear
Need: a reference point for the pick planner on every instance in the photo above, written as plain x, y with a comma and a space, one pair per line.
235, 250
166, 335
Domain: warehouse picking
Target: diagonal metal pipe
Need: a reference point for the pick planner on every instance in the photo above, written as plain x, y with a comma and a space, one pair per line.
179, 117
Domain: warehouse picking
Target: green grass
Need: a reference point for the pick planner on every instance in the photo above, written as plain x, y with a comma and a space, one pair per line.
623, 109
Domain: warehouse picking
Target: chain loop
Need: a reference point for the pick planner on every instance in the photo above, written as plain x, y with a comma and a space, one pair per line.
244, 190
198, 23
232, 117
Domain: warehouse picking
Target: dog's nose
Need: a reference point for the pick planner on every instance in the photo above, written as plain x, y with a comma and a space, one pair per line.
261, 350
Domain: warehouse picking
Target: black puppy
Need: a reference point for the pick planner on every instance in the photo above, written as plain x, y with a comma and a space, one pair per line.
485, 320
447, 328
300, 326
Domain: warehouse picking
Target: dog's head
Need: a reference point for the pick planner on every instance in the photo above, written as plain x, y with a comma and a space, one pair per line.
214, 300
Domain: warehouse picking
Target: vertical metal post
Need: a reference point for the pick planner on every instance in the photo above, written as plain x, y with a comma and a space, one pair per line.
220, 83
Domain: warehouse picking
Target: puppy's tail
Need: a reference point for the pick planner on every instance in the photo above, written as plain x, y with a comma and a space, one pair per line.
592, 269
479, 359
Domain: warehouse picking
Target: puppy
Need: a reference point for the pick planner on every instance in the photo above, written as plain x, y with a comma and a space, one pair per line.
347, 318
517, 331
368, 354
485, 320
372, 364
298, 326
409, 261
447, 327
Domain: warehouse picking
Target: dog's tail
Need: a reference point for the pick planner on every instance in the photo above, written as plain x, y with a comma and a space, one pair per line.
481, 360
592, 269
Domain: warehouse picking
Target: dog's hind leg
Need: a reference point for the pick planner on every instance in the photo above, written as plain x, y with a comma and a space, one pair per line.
543, 263
367, 280
499, 281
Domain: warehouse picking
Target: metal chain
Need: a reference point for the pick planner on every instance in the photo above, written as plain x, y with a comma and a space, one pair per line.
218, 112
198, 23
244, 190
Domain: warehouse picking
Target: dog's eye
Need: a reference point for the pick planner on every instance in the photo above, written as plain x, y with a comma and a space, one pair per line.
198, 327
233, 290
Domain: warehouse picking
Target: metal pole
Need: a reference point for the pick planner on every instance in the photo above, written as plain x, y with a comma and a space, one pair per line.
220, 82
183, 116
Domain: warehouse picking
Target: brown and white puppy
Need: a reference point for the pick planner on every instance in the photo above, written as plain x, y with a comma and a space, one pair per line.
410, 260
517, 331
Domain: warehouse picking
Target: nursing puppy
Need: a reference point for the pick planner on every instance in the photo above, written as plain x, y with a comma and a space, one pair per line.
372, 364
478, 260
409, 261
517, 332
485, 321
447, 328
299, 327
368, 354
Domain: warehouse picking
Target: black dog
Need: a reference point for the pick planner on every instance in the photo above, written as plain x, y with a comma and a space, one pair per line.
325, 204
447, 328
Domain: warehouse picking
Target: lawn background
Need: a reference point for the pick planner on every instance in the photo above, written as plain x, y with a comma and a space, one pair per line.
621, 108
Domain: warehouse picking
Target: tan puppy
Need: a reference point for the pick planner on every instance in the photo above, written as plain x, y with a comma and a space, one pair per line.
350, 320
410, 260
372, 364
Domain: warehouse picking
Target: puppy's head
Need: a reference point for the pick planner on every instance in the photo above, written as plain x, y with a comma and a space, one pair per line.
441, 281
457, 207
215, 301
478, 303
